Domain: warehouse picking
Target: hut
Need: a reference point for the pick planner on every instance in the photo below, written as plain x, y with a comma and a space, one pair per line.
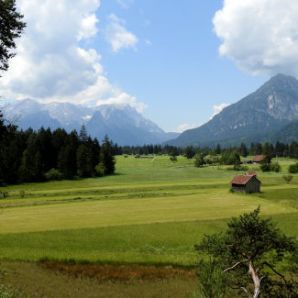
259, 158
248, 183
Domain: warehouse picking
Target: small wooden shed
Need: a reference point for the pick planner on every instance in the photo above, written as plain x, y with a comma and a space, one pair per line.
259, 158
248, 183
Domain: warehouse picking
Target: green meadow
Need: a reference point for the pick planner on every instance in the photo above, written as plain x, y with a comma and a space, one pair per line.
153, 211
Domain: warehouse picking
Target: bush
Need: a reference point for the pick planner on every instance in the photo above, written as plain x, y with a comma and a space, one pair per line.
100, 170
273, 167
265, 167
293, 169
53, 174
230, 158
137, 156
288, 178
211, 159
199, 160
240, 168
22, 194
173, 158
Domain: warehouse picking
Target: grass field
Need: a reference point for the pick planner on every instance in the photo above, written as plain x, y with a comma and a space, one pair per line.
152, 212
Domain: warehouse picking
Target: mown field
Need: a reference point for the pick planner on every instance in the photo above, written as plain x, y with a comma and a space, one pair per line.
152, 212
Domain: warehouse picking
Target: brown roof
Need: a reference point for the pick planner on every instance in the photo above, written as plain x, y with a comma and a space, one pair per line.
259, 158
242, 179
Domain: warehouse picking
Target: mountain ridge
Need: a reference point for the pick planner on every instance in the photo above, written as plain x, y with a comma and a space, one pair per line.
255, 118
123, 124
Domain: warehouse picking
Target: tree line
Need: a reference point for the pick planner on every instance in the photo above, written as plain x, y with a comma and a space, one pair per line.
33, 156
278, 149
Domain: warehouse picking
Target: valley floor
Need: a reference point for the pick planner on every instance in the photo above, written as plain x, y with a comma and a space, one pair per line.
152, 212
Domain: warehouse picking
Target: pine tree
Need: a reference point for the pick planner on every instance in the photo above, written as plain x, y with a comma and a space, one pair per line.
31, 168
107, 157
85, 167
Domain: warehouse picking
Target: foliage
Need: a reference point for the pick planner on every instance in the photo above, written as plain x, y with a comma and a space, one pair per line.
238, 167
173, 158
100, 170
288, 178
11, 27
84, 161
53, 174
265, 167
199, 160
293, 169
26, 156
107, 157
250, 251
270, 167
211, 159
230, 158
212, 280
275, 167
190, 152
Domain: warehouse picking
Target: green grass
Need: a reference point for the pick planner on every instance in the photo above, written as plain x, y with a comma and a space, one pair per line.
152, 212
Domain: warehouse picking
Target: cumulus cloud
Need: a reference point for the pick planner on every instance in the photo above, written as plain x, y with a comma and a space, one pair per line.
260, 36
51, 63
218, 108
118, 36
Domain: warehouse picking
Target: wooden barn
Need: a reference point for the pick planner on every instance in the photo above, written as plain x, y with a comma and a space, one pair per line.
248, 183
259, 158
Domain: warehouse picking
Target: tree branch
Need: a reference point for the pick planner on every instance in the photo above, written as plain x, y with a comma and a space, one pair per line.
233, 267
274, 270
246, 292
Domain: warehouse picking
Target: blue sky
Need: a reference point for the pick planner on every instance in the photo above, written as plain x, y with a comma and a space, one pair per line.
180, 75
177, 62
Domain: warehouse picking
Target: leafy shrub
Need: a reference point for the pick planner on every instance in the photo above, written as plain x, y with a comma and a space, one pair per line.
288, 178
199, 160
230, 158
242, 168
265, 167
211, 159
275, 167
270, 167
293, 169
100, 170
137, 156
53, 174
173, 158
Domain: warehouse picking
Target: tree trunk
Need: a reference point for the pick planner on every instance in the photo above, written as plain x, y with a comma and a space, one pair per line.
256, 280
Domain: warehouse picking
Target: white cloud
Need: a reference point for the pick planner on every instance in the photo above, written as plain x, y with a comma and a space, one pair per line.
118, 36
186, 126
260, 36
51, 63
218, 108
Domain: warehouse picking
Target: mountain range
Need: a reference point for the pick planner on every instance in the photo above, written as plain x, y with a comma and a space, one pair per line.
268, 114
123, 124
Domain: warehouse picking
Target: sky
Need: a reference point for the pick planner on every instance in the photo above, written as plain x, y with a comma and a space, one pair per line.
177, 62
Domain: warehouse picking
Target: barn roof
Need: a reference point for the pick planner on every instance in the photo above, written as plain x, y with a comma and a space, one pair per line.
242, 179
259, 158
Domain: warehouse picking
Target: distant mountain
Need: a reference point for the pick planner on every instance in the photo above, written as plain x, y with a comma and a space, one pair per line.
287, 134
256, 118
123, 124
